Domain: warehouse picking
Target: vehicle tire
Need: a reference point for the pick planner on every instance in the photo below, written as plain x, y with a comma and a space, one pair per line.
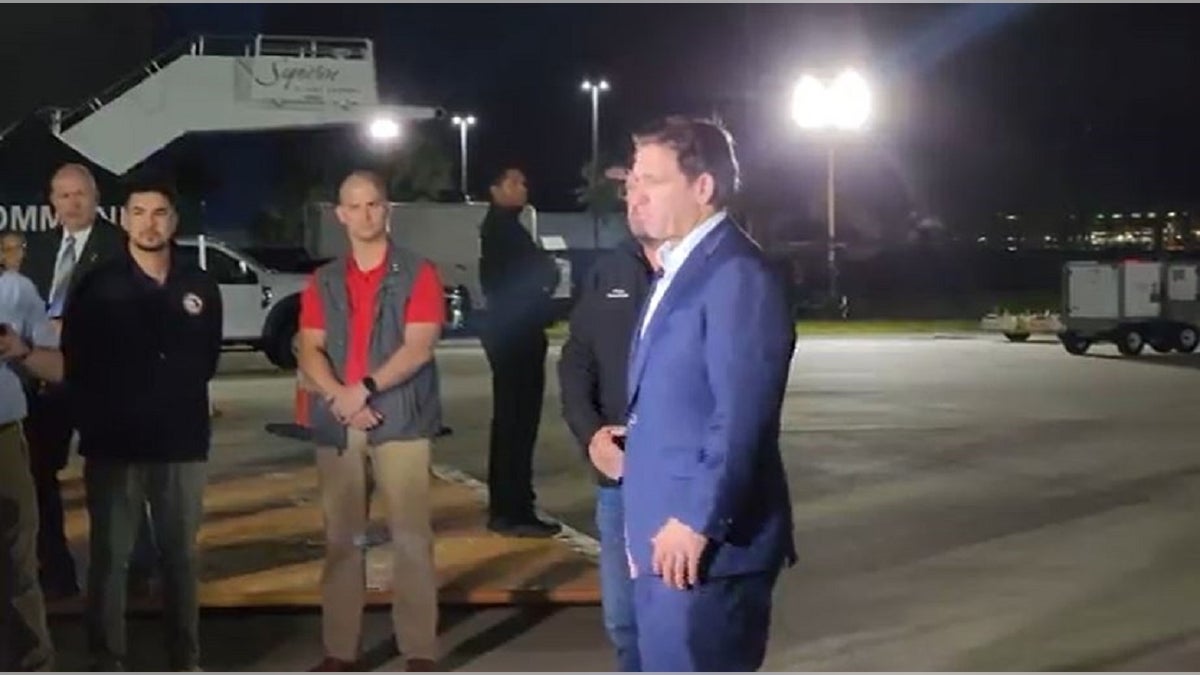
280, 351
1074, 343
1130, 341
1017, 337
1186, 338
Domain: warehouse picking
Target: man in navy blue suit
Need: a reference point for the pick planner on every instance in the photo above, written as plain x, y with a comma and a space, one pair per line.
708, 511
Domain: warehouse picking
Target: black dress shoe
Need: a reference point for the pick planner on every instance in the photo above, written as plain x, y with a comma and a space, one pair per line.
529, 527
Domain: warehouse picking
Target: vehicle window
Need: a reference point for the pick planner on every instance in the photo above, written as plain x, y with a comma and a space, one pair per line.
226, 269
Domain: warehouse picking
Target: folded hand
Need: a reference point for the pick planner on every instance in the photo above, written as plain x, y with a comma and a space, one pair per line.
365, 419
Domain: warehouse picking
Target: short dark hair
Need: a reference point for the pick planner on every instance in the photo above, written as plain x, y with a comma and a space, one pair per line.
158, 184
703, 146
502, 173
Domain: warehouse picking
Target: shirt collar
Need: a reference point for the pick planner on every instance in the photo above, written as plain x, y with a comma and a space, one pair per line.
635, 250
173, 271
352, 268
81, 236
672, 256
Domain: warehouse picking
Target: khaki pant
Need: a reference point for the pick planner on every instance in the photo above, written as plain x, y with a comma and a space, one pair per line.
24, 636
402, 476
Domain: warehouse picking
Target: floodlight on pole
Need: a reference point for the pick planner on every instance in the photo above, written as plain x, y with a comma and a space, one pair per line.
841, 105
594, 88
384, 129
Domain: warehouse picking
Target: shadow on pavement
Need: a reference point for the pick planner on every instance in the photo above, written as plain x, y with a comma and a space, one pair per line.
238, 640
230, 640
516, 624
1169, 360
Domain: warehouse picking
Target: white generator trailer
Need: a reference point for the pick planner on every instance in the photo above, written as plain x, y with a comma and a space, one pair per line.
1132, 303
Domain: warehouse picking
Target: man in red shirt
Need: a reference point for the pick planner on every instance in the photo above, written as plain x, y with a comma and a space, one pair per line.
369, 322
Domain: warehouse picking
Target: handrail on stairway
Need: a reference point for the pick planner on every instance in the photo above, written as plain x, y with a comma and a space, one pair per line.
122, 85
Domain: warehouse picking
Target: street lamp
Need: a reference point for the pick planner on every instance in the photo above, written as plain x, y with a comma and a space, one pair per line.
595, 88
843, 105
463, 123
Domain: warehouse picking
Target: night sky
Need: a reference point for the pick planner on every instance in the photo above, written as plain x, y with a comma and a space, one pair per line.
981, 108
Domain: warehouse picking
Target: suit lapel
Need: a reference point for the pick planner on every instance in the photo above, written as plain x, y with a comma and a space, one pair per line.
89, 254
685, 278
97, 246
636, 361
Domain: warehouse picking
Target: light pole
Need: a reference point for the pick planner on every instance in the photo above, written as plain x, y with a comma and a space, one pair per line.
594, 88
463, 123
842, 105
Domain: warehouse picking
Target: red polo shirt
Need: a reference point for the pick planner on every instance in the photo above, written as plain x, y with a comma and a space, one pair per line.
426, 304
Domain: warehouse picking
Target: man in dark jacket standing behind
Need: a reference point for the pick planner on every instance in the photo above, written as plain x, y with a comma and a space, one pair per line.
592, 379
141, 340
518, 279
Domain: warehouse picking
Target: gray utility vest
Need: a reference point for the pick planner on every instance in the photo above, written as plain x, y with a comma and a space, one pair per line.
410, 410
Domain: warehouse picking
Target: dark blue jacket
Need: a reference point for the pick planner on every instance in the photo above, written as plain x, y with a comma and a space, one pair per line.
706, 387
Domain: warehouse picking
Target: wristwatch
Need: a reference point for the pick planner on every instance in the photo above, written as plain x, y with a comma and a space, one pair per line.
369, 383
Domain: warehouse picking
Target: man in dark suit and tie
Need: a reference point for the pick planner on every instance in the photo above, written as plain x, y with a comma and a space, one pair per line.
707, 505
87, 241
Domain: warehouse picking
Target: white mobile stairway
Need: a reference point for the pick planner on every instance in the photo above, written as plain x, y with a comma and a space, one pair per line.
229, 84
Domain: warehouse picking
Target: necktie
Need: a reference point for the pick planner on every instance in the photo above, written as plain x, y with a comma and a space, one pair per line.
62, 277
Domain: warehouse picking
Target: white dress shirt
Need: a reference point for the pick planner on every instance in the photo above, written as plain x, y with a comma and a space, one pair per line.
672, 256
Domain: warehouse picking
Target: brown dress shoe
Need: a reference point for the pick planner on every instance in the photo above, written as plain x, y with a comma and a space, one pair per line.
332, 665
421, 666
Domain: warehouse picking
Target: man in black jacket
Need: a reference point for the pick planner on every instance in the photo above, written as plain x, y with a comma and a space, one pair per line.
592, 380
518, 279
87, 241
141, 340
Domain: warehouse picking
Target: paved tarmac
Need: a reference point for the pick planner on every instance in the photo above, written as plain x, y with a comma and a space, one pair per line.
961, 504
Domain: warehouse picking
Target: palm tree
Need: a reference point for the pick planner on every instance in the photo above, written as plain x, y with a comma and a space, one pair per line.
600, 196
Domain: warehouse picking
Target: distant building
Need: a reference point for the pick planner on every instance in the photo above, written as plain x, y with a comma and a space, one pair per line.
1180, 230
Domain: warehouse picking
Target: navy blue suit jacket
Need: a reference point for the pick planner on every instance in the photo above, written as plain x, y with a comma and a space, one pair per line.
706, 385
